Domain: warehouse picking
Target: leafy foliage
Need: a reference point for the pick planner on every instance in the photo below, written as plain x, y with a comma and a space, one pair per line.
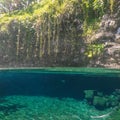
94, 49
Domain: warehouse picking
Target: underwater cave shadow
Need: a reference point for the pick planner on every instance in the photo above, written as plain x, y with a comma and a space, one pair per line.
9, 109
3, 100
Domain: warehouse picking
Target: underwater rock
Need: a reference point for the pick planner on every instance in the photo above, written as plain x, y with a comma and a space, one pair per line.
113, 100
99, 102
115, 115
89, 94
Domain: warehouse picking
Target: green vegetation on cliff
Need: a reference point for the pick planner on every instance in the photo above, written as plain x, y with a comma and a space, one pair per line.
52, 29
87, 10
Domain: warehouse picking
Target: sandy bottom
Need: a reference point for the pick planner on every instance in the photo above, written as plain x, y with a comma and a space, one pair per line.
46, 108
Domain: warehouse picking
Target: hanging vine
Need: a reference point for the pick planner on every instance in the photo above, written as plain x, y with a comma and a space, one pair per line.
49, 34
112, 2
18, 41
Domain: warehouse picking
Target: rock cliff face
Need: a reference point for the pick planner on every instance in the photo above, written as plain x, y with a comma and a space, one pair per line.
109, 35
58, 40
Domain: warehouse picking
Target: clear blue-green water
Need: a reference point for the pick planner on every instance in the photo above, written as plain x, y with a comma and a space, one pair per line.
59, 94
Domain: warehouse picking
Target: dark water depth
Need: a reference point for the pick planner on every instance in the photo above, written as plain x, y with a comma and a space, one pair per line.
55, 84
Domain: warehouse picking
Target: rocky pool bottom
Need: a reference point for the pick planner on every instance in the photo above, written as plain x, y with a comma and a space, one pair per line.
47, 108
94, 105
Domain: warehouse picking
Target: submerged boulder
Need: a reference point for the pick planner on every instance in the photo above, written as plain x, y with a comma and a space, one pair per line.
89, 94
99, 102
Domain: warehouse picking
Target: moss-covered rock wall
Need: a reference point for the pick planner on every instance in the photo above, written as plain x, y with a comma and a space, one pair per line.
52, 33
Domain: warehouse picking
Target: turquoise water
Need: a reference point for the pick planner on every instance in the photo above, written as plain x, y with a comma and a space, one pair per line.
59, 94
